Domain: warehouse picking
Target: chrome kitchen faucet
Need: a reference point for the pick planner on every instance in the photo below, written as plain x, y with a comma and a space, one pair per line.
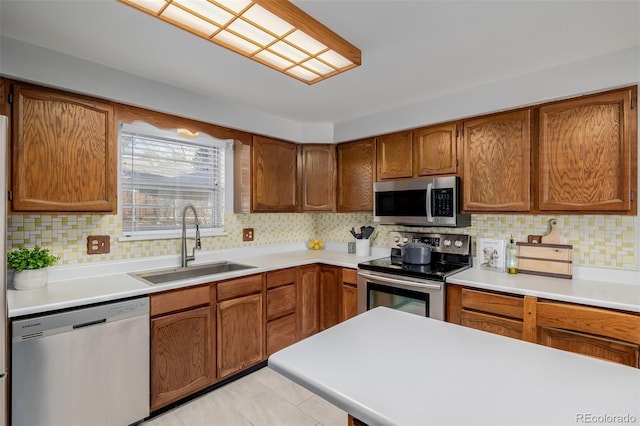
198, 245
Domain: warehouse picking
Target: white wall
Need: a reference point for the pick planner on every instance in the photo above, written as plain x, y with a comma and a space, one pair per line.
596, 74
33, 63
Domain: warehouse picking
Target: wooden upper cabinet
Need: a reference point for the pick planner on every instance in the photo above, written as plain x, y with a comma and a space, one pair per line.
435, 150
587, 153
496, 158
317, 177
274, 175
356, 167
394, 155
64, 152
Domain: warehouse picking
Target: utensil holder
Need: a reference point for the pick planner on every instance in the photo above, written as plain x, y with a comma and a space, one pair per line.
363, 248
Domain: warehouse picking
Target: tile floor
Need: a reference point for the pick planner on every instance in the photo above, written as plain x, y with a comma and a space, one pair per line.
262, 398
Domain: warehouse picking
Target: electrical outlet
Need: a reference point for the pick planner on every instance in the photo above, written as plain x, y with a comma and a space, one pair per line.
247, 234
98, 244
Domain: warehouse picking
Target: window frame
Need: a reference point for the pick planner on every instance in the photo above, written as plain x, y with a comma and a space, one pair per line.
201, 139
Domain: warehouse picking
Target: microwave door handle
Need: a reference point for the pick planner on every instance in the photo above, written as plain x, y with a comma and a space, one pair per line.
429, 194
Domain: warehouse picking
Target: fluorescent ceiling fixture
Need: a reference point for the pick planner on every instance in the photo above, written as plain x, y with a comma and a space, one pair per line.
273, 32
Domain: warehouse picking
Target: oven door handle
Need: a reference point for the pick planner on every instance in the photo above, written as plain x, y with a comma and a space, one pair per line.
435, 286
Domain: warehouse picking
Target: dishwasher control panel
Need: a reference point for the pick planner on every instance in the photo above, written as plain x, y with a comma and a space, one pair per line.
60, 322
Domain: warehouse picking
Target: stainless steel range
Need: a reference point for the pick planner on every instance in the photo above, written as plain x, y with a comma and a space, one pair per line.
415, 288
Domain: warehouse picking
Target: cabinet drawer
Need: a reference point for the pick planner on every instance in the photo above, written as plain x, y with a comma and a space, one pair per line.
239, 287
179, 300
499, 304
281, 277
281, 333
281, 301
493, 324
349, 276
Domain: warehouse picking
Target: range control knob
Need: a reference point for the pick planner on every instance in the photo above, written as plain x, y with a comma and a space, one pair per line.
405, 240
396, 240
446, 243
458, 243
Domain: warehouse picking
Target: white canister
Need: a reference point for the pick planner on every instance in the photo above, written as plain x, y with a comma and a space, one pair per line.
363, 248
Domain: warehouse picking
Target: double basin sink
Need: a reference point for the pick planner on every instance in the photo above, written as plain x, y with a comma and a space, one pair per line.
162, 276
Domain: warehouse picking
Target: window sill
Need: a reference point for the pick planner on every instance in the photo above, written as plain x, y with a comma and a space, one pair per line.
175, 235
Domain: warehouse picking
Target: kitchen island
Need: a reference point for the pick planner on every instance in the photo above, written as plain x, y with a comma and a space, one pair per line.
386, 367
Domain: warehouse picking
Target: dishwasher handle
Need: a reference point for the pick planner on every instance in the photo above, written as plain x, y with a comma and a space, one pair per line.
90, 323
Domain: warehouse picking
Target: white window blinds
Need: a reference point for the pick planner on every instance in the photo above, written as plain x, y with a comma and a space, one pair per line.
161, 172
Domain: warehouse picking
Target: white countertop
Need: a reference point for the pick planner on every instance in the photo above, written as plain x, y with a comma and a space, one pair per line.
387, 367
614, 295
76, 286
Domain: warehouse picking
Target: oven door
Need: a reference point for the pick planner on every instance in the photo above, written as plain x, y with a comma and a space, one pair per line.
417, 296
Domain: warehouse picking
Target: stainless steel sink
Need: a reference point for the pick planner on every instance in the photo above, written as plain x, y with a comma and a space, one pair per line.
176, 274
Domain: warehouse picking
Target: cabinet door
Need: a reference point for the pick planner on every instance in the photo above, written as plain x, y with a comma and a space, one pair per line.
597, 347
394, 156
356, 166
318, 177
240, 334
64, 152
435, 150
274, 175
329, 291
308, 301
587, 153
496, 157
181, 355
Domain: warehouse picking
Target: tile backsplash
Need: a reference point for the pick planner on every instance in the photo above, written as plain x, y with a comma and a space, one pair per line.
598, 240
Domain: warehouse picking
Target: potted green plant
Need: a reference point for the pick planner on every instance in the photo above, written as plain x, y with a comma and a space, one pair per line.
30, 266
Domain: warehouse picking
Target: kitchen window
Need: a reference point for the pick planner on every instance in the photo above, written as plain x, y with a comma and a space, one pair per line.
161, 171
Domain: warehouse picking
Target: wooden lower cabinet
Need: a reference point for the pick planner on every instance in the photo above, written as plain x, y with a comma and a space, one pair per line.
329, 294
240, 334
349, 294
598, 332
308, 308
181, 345
240, 324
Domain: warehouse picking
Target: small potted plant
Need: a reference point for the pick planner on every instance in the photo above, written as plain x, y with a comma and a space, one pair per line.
30, 266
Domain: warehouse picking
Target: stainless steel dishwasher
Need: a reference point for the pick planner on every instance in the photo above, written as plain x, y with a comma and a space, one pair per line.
87, 366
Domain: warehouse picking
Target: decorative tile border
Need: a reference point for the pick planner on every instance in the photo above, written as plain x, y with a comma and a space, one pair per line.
598, 240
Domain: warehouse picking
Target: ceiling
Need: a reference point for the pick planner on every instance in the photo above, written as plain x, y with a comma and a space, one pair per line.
411, 50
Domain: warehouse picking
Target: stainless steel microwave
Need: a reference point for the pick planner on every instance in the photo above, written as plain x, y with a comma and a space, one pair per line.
419, 202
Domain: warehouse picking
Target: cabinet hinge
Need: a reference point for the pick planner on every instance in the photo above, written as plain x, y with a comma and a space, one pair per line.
10, 195
632, 195
633, 103
10, 97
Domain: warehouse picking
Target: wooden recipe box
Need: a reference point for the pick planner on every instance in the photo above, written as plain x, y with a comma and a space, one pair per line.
552, 260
